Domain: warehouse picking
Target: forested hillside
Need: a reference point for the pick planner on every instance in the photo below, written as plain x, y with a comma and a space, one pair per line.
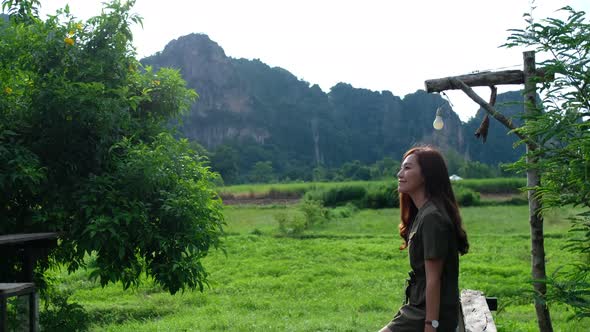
264, 124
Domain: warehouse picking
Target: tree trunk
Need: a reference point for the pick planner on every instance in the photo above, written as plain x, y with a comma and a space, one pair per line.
535, 218
316, 141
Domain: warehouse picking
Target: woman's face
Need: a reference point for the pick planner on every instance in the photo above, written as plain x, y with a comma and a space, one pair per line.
410, 179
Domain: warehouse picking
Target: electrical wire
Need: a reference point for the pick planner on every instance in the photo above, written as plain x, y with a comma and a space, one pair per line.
499, 68
447, 98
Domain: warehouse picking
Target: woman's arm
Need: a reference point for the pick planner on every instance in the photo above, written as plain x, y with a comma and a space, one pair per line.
434, 268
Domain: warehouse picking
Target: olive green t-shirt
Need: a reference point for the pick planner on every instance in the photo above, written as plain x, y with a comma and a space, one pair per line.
433, 236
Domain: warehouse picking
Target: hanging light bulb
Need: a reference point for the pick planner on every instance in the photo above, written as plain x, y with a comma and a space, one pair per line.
438, 123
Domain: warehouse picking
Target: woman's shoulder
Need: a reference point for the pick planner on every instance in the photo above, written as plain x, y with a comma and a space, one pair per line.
429, 208
433, 213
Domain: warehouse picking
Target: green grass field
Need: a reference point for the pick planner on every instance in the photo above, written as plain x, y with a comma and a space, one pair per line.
344, 275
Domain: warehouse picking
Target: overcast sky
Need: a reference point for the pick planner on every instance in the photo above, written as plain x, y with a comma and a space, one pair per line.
372, 44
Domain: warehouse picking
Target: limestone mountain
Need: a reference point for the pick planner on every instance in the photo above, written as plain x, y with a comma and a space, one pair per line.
265, 113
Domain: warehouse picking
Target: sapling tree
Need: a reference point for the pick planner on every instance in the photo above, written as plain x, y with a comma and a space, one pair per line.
562, 127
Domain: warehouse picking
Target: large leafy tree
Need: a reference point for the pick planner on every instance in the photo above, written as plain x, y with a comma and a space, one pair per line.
85, 151
563, 130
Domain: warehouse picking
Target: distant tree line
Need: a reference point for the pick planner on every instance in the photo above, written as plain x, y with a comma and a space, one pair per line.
237, 167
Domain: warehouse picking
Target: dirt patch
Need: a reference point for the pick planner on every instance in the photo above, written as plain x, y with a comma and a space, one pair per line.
260, 201
269, 198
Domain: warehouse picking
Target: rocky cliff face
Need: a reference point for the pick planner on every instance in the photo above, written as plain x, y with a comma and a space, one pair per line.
247, 102
221, 90
206, 69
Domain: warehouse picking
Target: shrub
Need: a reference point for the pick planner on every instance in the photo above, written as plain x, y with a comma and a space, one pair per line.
343, 211
314, 212
278, 193
493, 186
60, 314
315, 194
338, 195
290, 225
466, 196
517, 200
383, 196
256, 231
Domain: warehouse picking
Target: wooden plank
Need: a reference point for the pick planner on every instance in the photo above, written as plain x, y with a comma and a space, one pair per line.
3, 315
492, 303
22, 238
34, 312
477, 79
483, 79
476, 314
13, 289
27, 307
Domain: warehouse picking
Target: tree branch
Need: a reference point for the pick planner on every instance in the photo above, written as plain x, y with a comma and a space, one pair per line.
458, 84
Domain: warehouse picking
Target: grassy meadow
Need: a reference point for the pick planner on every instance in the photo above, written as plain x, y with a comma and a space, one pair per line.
344, 275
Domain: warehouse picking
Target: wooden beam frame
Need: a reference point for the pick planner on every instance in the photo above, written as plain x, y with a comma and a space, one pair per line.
486, 78
455, 81
529, 77
478, 79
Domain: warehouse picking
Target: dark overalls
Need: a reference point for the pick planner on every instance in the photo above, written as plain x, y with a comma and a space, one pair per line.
432, 236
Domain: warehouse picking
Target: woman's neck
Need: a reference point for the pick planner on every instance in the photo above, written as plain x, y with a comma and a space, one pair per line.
419, 199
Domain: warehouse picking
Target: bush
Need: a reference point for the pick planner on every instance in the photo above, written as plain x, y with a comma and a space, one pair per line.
466, 196
362, 196
314, 212
343, 211
517, 200
383, 196
278, 193
60, 314
493, 186
338, 195
290, 225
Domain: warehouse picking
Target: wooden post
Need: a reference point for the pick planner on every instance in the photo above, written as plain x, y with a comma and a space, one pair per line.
28, 312
3, 314
535, 218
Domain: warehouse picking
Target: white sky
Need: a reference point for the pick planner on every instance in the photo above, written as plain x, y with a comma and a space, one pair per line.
379, 45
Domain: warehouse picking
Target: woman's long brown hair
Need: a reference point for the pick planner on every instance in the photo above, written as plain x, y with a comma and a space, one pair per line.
438, 190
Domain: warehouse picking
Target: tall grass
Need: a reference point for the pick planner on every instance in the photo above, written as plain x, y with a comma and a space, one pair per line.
493, 186
298, 189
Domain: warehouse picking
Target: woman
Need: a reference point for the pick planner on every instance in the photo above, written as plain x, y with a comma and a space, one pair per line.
432, 230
